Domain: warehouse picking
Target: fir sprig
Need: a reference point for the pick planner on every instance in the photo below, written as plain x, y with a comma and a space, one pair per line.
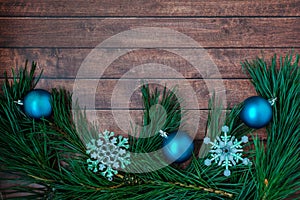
24, 143
51, 153
162, 111
277, 165
22, 82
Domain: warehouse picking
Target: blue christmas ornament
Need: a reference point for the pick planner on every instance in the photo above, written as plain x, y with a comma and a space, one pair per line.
257, 112
37, 104
178, 147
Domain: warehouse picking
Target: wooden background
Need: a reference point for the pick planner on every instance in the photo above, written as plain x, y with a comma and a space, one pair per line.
60, 34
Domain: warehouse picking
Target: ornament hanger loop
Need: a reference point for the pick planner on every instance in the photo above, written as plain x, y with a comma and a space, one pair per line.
272, 101
163, 134
19, 102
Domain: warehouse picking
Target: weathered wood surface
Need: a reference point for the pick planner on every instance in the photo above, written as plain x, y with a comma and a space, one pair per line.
156, 8
61, 44
236, 91
107, 121
64, 63
59, 35
208, 32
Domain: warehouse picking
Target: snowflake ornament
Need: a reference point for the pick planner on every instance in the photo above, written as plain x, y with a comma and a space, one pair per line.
108, 154
226, 151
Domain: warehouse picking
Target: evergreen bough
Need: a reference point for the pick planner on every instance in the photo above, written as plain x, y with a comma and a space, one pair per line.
46, 158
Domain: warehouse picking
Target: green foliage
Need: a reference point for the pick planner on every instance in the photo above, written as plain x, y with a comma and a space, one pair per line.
22, 82
162, 112
278, 163
52, 154
24, 150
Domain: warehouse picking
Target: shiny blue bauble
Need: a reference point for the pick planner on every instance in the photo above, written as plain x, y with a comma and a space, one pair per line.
37, 104
257, 112
178, 147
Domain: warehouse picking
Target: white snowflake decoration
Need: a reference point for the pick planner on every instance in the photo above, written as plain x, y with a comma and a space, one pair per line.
226, 151
108, 154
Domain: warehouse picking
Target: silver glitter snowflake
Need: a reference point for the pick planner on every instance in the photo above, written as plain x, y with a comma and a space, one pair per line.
108, 154
226, 151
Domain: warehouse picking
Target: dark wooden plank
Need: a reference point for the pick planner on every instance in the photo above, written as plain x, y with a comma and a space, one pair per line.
208, 32
237, 90
150, 8
64, 63
107, 121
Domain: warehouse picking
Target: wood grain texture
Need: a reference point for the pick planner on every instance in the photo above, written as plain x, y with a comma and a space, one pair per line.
65, 63
107, 121
59, 35
157, 8
208, 32
237, 90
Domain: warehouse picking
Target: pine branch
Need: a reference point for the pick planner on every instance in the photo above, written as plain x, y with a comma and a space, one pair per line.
51, 153
23, 141
22, 82
277, 165
162, 112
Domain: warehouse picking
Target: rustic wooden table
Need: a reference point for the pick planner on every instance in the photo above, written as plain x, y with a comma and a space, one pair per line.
59, 35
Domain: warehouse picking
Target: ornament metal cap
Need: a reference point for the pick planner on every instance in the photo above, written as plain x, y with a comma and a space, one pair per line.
19, 102
163, 134
272, 101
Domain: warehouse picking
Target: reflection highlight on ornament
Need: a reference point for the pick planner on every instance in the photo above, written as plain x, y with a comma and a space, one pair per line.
178, 147
257, 112
37, 104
